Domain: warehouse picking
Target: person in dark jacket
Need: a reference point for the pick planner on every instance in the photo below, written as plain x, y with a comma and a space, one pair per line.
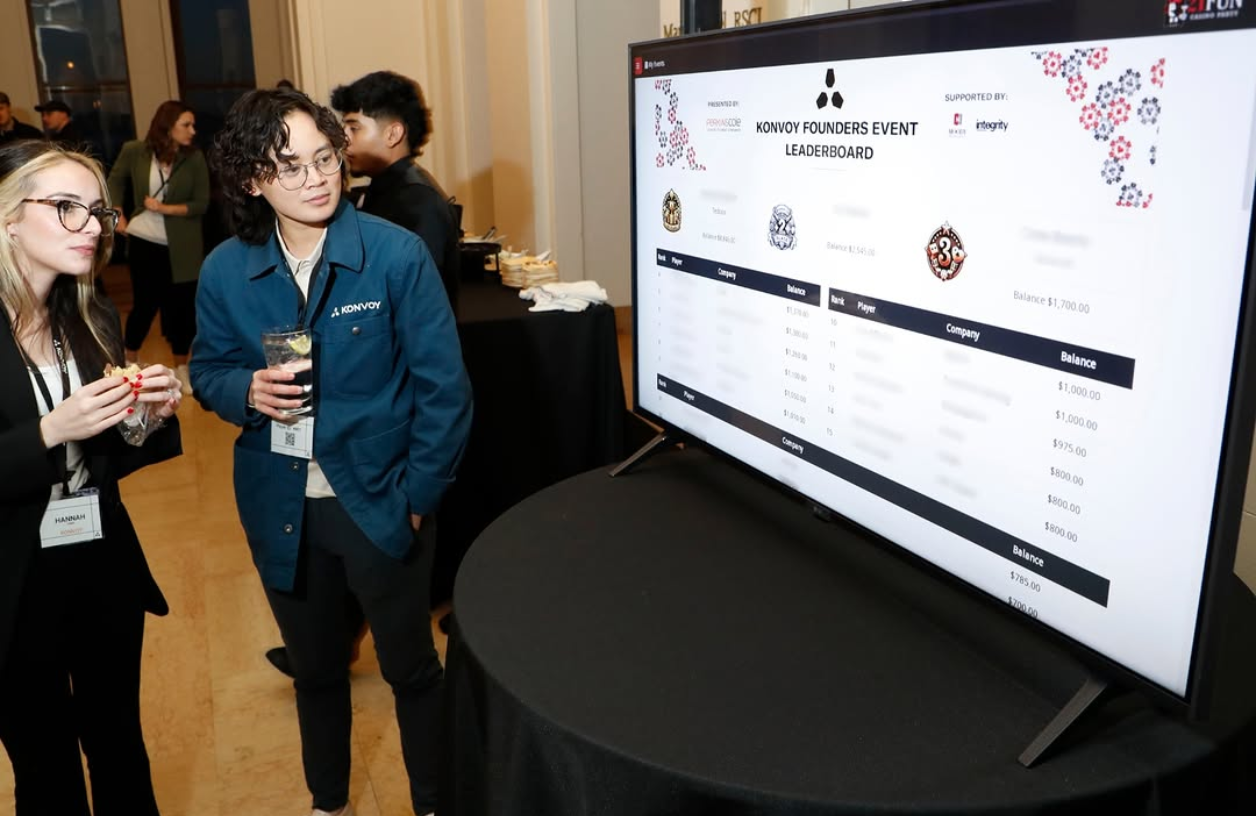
387, 123
74, 584
59, 125
10, 128
345, 506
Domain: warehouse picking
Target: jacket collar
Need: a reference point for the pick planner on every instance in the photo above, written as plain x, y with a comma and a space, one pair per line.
342, 245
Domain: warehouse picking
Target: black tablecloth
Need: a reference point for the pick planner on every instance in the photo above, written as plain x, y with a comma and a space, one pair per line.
687, 640
549, 403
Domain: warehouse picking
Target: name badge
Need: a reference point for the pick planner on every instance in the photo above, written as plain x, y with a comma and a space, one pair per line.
296, 439
72, 521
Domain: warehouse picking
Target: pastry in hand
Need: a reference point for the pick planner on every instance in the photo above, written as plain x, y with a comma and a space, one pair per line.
128, 371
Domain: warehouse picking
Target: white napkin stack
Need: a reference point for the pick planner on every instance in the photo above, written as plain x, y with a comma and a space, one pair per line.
575, 296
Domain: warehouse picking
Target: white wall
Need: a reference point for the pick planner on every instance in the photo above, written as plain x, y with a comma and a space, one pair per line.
513, 42
474, 179
739, 13
150, 58
336, 42
564, 145
273, 57
604, 31
17, 61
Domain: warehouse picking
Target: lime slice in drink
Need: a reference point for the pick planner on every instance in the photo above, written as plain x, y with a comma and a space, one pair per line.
300, 344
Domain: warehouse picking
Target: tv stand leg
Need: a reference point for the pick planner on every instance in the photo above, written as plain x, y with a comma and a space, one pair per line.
647, 450
1090, 692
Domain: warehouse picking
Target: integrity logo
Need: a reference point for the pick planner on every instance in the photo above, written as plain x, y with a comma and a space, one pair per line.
992, 126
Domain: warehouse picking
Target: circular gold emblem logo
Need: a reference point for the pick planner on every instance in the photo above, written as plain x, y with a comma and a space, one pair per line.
671, 211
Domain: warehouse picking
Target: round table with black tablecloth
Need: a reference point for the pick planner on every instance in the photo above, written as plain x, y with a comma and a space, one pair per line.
549, 403
685, 639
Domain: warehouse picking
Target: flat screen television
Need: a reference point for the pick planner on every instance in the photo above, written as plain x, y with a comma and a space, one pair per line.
976, 277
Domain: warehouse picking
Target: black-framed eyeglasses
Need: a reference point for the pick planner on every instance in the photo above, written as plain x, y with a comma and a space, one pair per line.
74, 216
294, 176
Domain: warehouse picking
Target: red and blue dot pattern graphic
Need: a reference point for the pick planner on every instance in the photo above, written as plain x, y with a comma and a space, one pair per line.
1121, 113
673, 137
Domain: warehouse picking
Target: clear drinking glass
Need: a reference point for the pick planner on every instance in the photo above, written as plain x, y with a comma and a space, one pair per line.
288, 349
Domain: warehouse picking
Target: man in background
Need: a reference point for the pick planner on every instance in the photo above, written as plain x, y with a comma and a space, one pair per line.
10, 128
387, 123
59, 123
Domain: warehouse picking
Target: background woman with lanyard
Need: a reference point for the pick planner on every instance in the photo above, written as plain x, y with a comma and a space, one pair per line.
169, 184
74, 585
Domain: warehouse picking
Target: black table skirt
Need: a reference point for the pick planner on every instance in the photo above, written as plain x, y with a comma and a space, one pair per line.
549, 403
686, 640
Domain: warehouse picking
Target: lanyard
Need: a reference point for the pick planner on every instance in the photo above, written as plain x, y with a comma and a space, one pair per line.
47, 394
164, 178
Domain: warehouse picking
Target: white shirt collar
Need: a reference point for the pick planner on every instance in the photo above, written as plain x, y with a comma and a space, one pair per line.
300, 265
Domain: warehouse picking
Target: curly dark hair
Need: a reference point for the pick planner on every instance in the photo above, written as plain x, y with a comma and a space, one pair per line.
386, 95
158, 139
254, 132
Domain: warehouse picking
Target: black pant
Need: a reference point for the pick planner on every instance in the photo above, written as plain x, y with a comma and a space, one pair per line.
336, 557
74, 628
178, 316
152, 289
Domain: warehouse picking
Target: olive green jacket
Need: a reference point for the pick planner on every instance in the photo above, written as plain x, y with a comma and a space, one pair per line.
188, 184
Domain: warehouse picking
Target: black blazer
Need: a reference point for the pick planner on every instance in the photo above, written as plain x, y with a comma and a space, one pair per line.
408, 196
28, 470
20, 130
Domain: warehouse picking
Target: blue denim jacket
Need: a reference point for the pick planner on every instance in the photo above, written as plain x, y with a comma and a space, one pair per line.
392, 399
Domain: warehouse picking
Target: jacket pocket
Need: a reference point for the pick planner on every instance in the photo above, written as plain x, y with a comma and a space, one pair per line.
357, 356
379, 461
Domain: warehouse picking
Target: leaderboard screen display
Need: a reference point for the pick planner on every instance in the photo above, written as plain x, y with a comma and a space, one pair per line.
971, 276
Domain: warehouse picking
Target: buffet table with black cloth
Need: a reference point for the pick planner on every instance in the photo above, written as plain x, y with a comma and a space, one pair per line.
687, 640
549, 403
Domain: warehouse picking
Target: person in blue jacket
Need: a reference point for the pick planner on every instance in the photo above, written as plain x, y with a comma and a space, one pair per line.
334, 500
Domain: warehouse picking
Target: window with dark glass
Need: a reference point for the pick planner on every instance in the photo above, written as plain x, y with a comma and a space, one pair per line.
80, 59
213, 46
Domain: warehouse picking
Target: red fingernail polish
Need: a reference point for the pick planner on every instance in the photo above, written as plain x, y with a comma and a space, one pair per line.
139, 376
130, 410
126, 379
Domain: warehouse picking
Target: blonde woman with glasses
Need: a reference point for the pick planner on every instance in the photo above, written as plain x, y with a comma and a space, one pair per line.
74, 584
